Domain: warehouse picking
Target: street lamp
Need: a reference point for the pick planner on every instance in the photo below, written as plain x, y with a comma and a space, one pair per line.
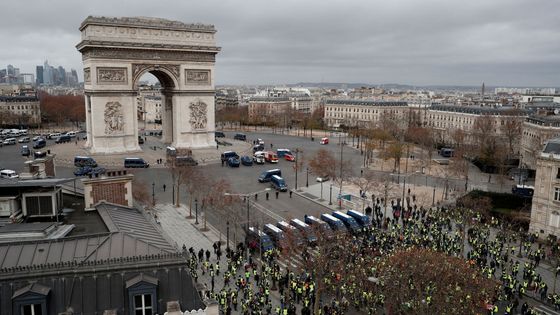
196, 211
153, 193
330, 197
296, 165
227, 235
307, 179
246, 197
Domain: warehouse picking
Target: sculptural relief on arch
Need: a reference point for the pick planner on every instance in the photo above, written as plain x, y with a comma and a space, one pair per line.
116, 52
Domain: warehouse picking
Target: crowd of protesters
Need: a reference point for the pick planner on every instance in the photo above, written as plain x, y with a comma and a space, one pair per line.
245, 283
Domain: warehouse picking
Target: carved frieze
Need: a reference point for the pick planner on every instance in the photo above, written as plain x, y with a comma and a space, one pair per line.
195, 76
198, 117
136, 54
114, 118
112, 75
87, 75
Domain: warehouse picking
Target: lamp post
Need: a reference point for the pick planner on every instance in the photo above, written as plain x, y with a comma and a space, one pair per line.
330, 195
296, 165
227, 235
153, 193
307, 178
196, 211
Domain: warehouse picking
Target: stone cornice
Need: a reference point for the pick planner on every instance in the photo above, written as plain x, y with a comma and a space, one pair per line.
107, 265
136, 45
146, 22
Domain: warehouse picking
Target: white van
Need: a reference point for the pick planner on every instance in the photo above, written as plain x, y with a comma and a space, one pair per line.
8, 174
72, 134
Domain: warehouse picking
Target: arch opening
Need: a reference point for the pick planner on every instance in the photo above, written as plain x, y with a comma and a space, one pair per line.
154, 106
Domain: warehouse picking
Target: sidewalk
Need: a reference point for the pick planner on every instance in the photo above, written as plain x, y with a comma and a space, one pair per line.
182, 230
424, 195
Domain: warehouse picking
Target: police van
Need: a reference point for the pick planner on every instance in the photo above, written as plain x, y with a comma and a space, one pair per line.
336, 225
278, 183
318, 225
290, 232
276, 235
135, 163
305, 230
256, 238
350, 223
266, 176
81, 161
362, 219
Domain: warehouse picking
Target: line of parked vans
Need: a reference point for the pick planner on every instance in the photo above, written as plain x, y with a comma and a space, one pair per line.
297, 232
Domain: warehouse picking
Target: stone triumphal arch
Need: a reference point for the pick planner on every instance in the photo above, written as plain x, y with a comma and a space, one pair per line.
116, 52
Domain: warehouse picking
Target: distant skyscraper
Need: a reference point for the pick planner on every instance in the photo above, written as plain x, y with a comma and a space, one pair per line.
47, 73
39, 75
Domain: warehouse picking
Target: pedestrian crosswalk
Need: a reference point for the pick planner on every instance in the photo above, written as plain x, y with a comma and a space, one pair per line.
542, 309
295, 260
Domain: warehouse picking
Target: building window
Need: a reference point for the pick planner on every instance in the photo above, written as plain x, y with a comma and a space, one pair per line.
143, 304
554, 219
32, 309
556, 193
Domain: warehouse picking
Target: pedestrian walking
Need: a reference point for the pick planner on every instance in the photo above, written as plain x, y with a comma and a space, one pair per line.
164, 187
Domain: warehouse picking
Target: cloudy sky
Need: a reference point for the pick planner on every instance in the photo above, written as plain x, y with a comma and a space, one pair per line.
419, 42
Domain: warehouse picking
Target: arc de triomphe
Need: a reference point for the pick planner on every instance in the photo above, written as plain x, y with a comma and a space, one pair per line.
116, 52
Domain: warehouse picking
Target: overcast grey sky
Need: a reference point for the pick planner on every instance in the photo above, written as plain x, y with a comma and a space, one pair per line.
420, 42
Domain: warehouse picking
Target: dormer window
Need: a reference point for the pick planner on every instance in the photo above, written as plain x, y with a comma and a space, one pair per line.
142, 295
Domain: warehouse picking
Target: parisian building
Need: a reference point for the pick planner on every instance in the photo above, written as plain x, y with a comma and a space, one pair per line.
18, 110
545, 210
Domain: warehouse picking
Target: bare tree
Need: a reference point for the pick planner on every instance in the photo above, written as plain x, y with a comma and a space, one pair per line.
323, 163
422, 281
512, 127
140, 192
366, 182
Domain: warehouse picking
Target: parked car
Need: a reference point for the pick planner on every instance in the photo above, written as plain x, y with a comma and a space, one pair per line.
240, 136
246, 160
83, 171
323, 178
258, 157
24, 140
63, 139
185, 161
80, 161
219, 134
233, 162
324, 141
140, 140
8, 174
36, 138
290, 157
40, 143
10, 141
53, 135
260, 141
25, 151
39, 154
98, 171
71, 134
229, 154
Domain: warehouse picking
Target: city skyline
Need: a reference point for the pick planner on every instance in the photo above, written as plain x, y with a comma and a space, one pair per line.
502, 43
